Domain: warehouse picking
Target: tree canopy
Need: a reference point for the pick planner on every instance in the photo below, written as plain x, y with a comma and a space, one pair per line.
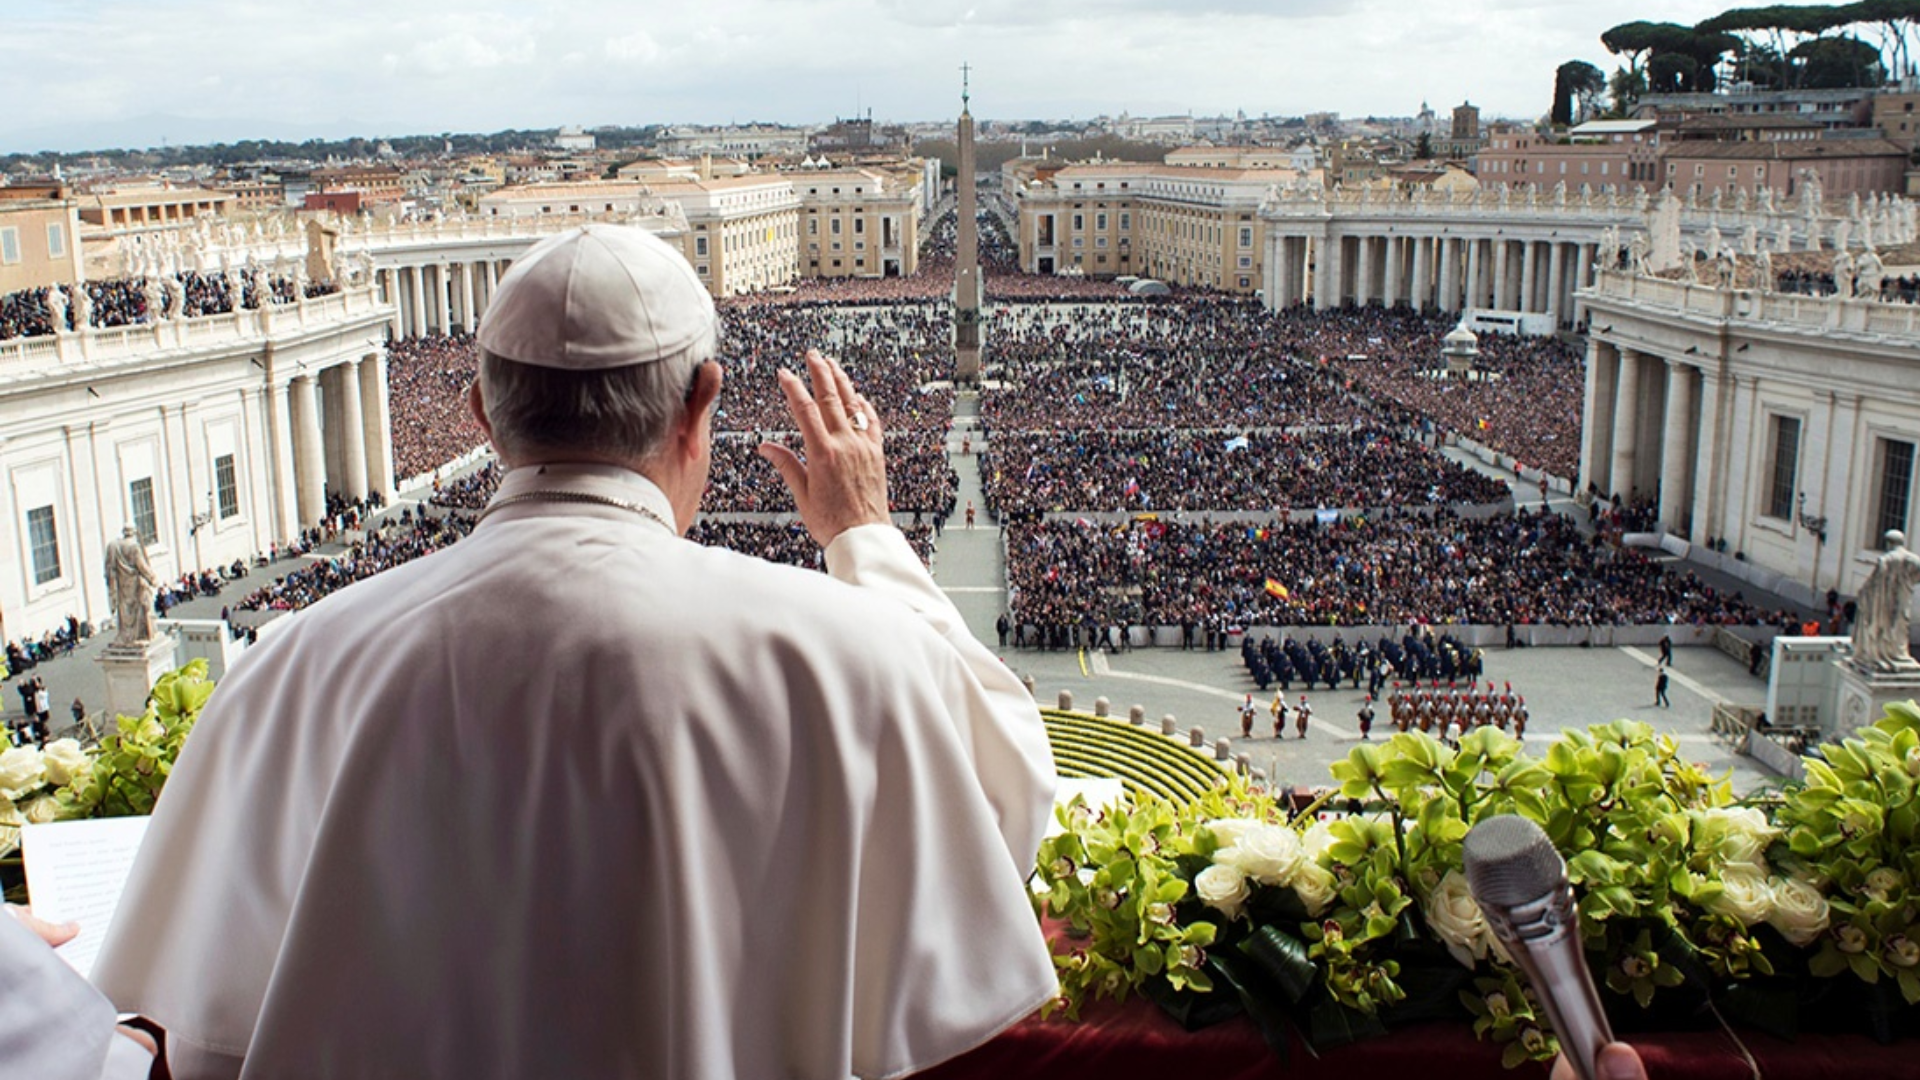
1575, 85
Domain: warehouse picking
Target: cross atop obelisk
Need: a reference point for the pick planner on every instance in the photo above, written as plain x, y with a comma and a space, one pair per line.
966, 263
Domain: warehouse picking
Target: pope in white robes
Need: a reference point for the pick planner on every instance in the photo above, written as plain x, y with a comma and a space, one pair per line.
576, 797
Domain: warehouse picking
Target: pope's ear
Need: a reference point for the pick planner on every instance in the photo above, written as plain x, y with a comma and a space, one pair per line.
701, 395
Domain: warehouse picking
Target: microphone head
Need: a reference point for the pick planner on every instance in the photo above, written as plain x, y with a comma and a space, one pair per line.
1509, 861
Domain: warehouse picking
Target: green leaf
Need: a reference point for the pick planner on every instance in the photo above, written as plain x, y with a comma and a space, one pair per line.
1283, 958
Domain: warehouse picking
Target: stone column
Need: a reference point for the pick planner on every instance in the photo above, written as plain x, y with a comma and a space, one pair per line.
286, 510
1529, 276
1449, 275
376, 425
1711, 460
1596, 434
1324, 262
1556, 282
1422, 298
1396, 254
1363, 275
309, 470
1472, 289
353, 436
1626, 425
1502, 275
331, 425
1676, 449
417, 300
468, 319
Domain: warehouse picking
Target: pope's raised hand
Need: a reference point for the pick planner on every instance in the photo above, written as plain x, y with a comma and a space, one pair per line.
843, 481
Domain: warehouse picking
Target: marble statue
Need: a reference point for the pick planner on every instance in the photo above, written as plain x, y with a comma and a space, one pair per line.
1714, 241
1741, 201
1881, 629
176, 298
1750, 240
1690, 261
130, 582
82, 307
1843, 275
56, 300
1868, 272
155, 295
1766, 200
1766, 270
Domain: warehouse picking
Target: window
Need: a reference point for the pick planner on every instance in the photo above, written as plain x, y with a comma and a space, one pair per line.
226, 487
1246, 236
45, 542
9, 245
56, 240
140, 502
833, 226
1100, 222
700, 245
1785, 467
1079, 222
813, 226
1126, 221
1896, 489
859, 226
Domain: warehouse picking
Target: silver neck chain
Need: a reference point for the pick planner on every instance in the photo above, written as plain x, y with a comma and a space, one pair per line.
574, 497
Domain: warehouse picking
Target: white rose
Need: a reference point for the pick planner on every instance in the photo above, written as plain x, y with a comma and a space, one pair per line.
64, 760
1739, 836
1799, 912
41, 810
1228, 831
1456, 919
1222, 888
1269, 854
10, 822
1744, 895
1315, 886
21, 771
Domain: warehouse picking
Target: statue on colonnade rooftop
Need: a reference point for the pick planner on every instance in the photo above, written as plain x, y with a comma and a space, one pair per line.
1881, 630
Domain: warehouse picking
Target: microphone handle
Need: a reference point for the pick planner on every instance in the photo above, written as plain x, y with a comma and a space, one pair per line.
1556, 966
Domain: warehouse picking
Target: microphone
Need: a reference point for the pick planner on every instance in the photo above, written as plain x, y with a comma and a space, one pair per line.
1520, 883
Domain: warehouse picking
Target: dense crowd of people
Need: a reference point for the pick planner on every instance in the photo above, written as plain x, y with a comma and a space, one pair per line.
1524, 399
1389, 569
1187, 470
382, 548
128, 301
919, 478
427, 380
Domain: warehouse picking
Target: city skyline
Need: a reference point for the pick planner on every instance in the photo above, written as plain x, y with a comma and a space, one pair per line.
119, 73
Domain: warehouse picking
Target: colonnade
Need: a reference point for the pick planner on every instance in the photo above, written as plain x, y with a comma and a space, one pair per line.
436, 297
1648, 417
1434, 271
338, 438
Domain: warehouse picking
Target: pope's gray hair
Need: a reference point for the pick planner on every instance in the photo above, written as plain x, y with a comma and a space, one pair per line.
624, 413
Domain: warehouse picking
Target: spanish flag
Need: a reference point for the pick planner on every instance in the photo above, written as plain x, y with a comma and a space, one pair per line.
1276, 590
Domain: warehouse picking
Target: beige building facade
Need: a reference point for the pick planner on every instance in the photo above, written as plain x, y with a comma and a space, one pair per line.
39, 238
1194, 225
859, 222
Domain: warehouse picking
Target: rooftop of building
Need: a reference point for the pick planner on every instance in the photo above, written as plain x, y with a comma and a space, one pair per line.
1787, 149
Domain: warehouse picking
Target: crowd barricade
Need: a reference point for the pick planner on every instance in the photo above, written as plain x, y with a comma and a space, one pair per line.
1501, 461
1480, 636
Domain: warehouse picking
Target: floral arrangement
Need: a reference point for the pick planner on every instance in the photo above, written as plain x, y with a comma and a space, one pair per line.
1695, 907
121, 777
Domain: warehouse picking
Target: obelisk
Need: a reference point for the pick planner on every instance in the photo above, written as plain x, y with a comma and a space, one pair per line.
966, 265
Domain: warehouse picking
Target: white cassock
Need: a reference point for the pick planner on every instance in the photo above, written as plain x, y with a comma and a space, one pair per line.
576, 797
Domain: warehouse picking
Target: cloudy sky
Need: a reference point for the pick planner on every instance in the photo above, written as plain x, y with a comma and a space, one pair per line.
77, 74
